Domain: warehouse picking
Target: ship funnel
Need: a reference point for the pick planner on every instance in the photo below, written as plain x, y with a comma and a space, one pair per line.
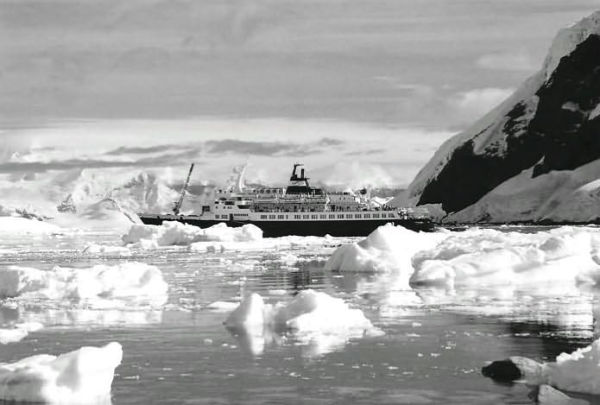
302, 173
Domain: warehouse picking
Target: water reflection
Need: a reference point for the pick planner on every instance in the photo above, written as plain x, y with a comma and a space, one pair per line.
79, 317
312, 344
105, 401
435, 344
566, 310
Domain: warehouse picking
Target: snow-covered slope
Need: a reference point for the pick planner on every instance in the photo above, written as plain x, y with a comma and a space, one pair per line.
88, 198
143, 191
534, 156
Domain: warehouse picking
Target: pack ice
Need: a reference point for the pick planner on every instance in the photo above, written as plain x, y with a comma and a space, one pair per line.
83, 376
175, 233
314, 318
100, 286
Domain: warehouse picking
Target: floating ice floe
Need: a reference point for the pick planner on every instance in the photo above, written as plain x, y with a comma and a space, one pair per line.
175, 233
18, 332
224, 306
557, 259
100, 285
95, 249
322, 322
264, 244
82, 376
575, 372
477, 257
387, 249
547, 276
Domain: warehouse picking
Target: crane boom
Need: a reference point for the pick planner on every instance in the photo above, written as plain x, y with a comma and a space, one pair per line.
179, 202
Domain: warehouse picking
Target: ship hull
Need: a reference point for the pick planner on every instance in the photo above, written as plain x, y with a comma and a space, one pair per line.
272, 229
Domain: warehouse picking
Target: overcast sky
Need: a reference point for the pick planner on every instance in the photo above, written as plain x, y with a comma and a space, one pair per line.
375, 85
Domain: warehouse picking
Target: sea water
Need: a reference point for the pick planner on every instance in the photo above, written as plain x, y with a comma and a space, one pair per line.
431, 350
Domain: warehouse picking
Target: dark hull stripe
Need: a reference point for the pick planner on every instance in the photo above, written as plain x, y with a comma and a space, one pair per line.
273, 229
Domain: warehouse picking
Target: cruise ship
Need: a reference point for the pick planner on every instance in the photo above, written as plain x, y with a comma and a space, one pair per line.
298, 209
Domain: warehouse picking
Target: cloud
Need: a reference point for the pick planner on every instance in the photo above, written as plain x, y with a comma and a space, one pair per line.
269, 148
365, 152
355, 174
158, 155
11, 144
518, 61
475, 103
142, 150
68, 164
299, 59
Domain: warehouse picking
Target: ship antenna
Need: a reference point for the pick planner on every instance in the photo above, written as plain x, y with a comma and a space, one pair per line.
179, 202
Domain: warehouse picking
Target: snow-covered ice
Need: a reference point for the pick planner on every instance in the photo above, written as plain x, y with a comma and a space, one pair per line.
556, 259
96, 249
312, 317
172, 233
264, 244
224, 306
101, 285
83, 376
387, 249
477, 257
18, 332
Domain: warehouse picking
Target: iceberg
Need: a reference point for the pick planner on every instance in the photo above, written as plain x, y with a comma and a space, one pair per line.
96, 249
100, 286
263, 244
389, 248
313, 318
18, 332
172, 233
548, 275
477, 257
557, 259
83, 376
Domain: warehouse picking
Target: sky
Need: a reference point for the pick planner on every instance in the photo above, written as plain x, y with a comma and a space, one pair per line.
363, 92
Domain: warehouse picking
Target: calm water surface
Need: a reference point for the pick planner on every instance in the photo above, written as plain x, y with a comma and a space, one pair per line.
182, 354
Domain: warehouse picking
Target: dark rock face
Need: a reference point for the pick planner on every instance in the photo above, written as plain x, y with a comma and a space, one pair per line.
502, 370
569, 138
559, 136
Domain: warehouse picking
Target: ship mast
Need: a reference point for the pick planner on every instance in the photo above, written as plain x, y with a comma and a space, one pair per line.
179, 202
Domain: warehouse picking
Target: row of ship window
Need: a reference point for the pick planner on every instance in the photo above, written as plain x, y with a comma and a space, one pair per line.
331, 216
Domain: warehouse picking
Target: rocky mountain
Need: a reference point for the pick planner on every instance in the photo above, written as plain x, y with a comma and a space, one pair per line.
536, 156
